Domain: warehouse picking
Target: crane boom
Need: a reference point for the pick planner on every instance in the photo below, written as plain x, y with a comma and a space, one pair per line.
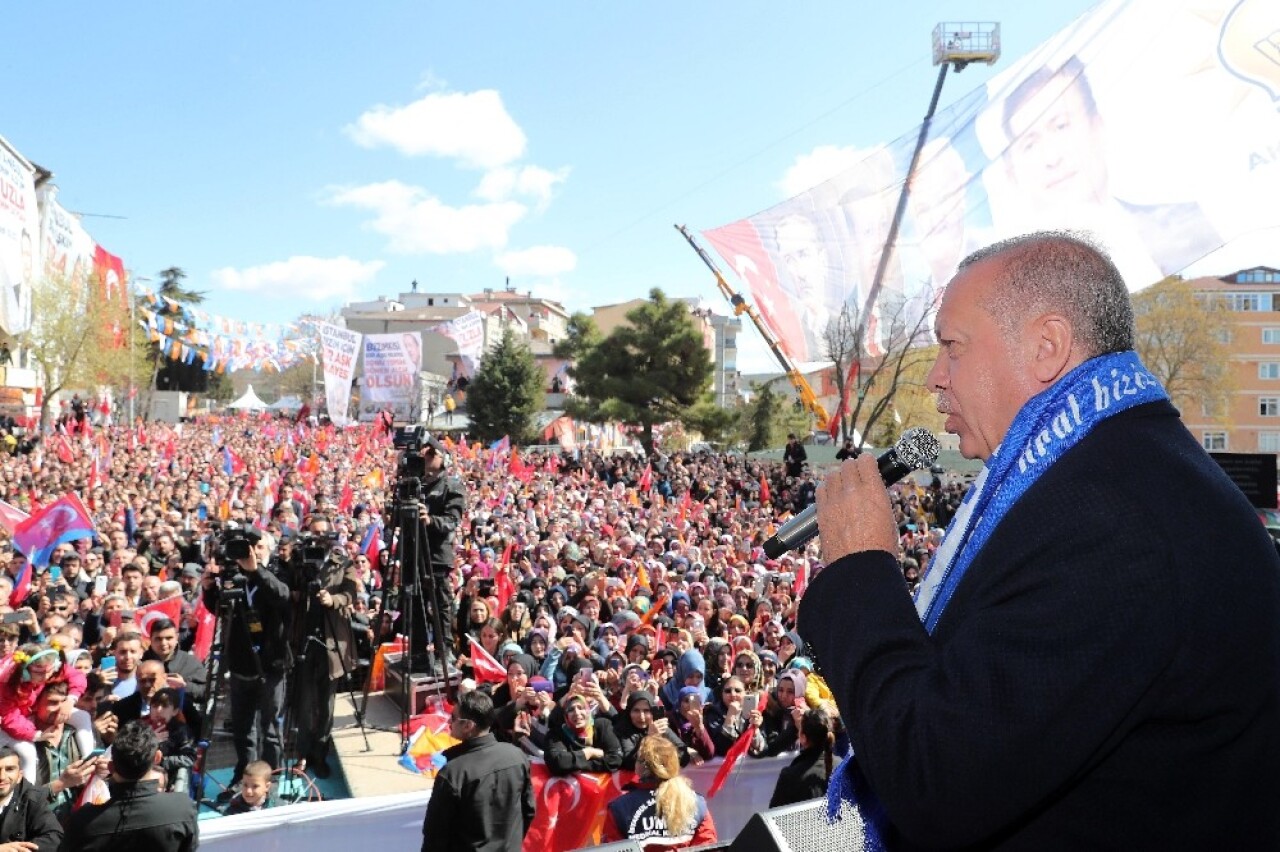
741, 306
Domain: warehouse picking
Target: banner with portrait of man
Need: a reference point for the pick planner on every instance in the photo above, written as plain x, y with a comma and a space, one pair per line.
1154, 125
67, 251
19, 239
391, 366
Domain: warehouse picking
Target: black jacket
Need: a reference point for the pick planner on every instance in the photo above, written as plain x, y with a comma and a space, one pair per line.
191, 669
446, 501
138, 818
565, 758
1105, 676
29, 817
482, 800
803, 779
259, 623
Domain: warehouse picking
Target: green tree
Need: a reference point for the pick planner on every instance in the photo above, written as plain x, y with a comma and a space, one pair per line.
80, 340
506, 392
220, 387
652, 369
1182, 339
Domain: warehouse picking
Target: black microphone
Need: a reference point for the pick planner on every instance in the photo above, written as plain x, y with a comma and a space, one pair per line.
916, 449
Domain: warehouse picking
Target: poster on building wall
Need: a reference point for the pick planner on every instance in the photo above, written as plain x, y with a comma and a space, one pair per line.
19, 240
341, 348
468, 332
391, 366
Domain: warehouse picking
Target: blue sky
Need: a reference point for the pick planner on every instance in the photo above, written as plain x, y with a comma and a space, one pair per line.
291, 157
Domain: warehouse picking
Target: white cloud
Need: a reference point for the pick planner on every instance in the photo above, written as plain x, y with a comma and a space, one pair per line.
820, 164
417, 222
310, 279
531, 181
472, 127
537, 262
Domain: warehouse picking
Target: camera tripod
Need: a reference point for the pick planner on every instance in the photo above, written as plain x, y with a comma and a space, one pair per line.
415, 584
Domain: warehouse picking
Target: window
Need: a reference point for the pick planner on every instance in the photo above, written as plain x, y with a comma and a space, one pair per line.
1269, 370
1271, 335
1269, 442
1269, 406
1211, 407
1247, 301
1214, 441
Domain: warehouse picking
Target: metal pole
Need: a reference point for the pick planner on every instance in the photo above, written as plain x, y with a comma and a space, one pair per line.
897, 219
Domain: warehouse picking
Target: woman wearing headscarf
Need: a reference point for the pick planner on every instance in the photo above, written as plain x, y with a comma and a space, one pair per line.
641, 717
728, 717
691, 726
719, 658
691, 670
660, 810
579, 741
783, 715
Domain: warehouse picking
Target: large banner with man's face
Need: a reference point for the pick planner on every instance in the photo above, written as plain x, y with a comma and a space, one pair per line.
391, 366
19, 240
1152, 124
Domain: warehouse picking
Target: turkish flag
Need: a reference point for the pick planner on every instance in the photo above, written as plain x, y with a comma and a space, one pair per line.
206, 624
730, 759
486, 668
11, 516
569, 810
170, 608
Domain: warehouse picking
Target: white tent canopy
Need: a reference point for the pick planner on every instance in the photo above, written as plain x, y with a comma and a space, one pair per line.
249, 401
287, 403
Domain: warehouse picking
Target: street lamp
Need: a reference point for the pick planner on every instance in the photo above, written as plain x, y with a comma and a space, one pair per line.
133, 384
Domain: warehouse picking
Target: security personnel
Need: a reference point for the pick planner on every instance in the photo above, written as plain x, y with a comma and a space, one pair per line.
255, 651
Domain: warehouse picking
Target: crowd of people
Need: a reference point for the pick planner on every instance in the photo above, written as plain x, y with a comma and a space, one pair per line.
624, 597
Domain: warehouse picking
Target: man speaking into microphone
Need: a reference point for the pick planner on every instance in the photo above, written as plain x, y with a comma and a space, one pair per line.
1093, 659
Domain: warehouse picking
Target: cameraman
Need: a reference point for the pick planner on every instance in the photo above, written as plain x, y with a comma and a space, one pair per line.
323, 583
441, 503
253, 604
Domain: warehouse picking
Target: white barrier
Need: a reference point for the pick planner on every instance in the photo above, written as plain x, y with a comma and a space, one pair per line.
388, 823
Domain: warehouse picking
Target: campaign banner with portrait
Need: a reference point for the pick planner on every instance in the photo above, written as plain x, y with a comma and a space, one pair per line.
340, 349
19, 239
1151, 124
391, 366
66, 249
468, 332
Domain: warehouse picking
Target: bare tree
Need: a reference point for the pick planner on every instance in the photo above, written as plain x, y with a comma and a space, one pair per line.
876, 386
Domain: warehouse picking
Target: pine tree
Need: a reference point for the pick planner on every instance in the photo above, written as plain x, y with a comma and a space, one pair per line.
506, 393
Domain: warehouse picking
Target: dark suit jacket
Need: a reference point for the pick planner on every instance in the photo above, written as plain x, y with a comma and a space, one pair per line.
1106, 676
29, 817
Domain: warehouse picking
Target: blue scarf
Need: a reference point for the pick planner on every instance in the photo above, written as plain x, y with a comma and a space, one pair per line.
1046, 427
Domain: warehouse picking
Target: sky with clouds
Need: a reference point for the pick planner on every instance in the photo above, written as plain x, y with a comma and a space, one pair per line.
292, 158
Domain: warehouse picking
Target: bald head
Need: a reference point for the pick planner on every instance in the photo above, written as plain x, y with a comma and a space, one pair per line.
1056, 271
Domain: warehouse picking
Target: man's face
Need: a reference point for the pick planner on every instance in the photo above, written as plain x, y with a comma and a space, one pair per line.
804, 258
164, 642
1056, 156
132, 580
48, 707
127, 656
981, 378
151, 587
10, 772
151, 676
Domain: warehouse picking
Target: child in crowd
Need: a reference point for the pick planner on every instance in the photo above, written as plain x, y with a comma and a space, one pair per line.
177, 748
255, 789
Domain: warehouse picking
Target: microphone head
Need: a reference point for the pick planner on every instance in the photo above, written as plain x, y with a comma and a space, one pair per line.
917, 448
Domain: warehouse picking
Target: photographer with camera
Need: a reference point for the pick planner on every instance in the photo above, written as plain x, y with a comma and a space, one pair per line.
252, 603
323, 583
438, 501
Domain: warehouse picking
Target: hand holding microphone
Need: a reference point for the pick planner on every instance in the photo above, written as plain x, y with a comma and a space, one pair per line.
853, 502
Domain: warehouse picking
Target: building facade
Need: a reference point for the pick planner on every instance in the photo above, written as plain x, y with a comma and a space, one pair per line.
1252, 425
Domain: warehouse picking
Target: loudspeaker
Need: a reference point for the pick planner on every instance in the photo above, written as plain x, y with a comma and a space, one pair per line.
801, 828
620, 846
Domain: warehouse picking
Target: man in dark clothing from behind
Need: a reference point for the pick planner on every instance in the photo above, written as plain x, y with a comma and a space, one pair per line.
794, 456
483, 798
25, 816
138, 816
